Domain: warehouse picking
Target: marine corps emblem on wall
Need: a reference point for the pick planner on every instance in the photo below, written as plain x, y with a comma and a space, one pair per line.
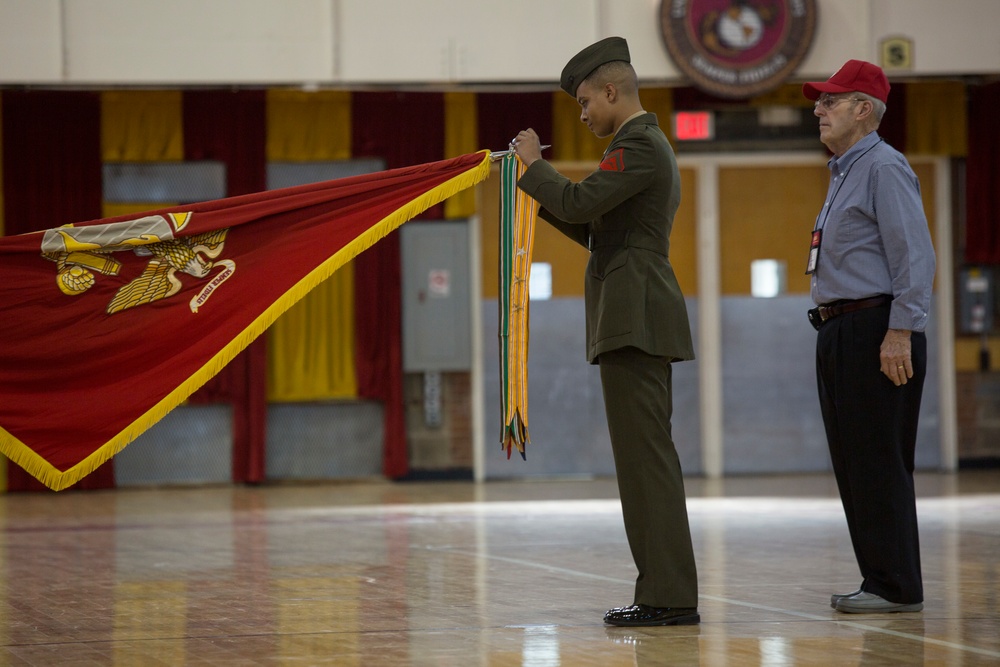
737, 48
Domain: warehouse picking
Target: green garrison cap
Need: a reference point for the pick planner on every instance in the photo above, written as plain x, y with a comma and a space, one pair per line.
582, 64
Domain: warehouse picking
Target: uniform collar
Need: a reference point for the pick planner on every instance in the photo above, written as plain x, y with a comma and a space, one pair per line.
640, 112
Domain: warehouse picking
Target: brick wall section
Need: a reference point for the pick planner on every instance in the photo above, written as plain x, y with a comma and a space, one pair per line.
446, 447
978, 403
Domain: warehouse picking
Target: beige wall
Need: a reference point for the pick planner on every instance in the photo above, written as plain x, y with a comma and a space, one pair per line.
350, 42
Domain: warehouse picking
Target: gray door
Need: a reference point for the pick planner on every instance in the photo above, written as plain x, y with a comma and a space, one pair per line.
437, 328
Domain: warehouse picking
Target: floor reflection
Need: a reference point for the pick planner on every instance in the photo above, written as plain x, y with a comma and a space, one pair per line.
465, 574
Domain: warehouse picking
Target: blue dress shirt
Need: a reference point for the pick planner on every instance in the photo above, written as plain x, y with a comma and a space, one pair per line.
875, 238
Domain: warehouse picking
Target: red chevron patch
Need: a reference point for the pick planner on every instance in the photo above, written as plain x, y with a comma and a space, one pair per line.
614, 161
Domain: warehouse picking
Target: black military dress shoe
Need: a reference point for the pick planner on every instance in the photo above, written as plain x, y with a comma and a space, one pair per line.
640, 614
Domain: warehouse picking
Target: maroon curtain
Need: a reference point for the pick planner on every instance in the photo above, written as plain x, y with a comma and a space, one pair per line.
503, 115
404, 129
51, 159
230, 127
982, 225
893, 125
51, 177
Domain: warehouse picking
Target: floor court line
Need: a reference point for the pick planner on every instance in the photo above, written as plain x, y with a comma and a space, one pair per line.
730, 601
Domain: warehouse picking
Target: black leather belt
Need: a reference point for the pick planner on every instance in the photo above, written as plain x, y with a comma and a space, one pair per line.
627, 239
819, 315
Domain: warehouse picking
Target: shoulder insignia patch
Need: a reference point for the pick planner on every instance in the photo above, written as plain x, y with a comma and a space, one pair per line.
614, 161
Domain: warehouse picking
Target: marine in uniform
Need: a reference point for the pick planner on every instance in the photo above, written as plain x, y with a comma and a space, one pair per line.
637, 323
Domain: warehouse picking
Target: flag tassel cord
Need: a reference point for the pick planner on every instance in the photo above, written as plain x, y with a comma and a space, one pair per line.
517, 231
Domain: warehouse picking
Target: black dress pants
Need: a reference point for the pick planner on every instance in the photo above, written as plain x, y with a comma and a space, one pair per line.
871, 428
638, 402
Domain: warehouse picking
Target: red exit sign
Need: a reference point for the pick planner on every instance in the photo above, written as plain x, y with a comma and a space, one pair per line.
694, 125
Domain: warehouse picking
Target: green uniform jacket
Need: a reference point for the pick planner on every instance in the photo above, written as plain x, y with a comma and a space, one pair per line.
623, 213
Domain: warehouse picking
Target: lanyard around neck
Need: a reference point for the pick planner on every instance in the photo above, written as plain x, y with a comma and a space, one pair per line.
829, 204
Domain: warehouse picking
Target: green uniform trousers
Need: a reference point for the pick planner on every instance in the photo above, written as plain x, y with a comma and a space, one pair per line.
637, 398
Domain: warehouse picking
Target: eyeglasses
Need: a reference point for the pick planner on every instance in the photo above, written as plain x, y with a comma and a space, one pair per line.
828, 102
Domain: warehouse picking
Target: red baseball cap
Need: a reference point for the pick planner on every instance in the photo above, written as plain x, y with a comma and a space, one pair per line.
855, 75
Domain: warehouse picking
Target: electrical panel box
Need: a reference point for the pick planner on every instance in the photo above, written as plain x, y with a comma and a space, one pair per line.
976, 300
437, 321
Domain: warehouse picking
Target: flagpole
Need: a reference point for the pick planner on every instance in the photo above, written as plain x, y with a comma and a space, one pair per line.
478, 371
499, 155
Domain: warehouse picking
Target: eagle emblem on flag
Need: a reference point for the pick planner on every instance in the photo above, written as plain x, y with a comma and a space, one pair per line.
80, 252
192, 255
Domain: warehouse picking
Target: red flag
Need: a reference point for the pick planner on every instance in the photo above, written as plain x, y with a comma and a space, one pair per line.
107, 325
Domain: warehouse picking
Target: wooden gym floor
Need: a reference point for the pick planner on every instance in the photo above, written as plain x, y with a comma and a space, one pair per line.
454, 573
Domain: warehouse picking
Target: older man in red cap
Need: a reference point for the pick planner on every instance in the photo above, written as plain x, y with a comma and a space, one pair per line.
871, 264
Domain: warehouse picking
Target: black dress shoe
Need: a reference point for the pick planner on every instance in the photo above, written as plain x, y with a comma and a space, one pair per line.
869, 603
836, 597
640, 614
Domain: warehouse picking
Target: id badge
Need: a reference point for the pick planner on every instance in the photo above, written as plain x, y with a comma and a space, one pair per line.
814, 252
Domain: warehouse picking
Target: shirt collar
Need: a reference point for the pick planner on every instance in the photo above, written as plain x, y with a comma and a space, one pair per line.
854, 152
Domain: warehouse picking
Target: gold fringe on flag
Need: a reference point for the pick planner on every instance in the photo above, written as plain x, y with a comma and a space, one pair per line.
60, 451
517, 236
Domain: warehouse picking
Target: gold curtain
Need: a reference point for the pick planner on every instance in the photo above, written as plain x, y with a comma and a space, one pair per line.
785, 95
936, 122
311, 347
142, 126
3, 459
661, 102
112, 209
461, 134
308, 127
571, 140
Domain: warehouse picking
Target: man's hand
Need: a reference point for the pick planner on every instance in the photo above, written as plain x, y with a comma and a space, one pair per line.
895, 356
527, 146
